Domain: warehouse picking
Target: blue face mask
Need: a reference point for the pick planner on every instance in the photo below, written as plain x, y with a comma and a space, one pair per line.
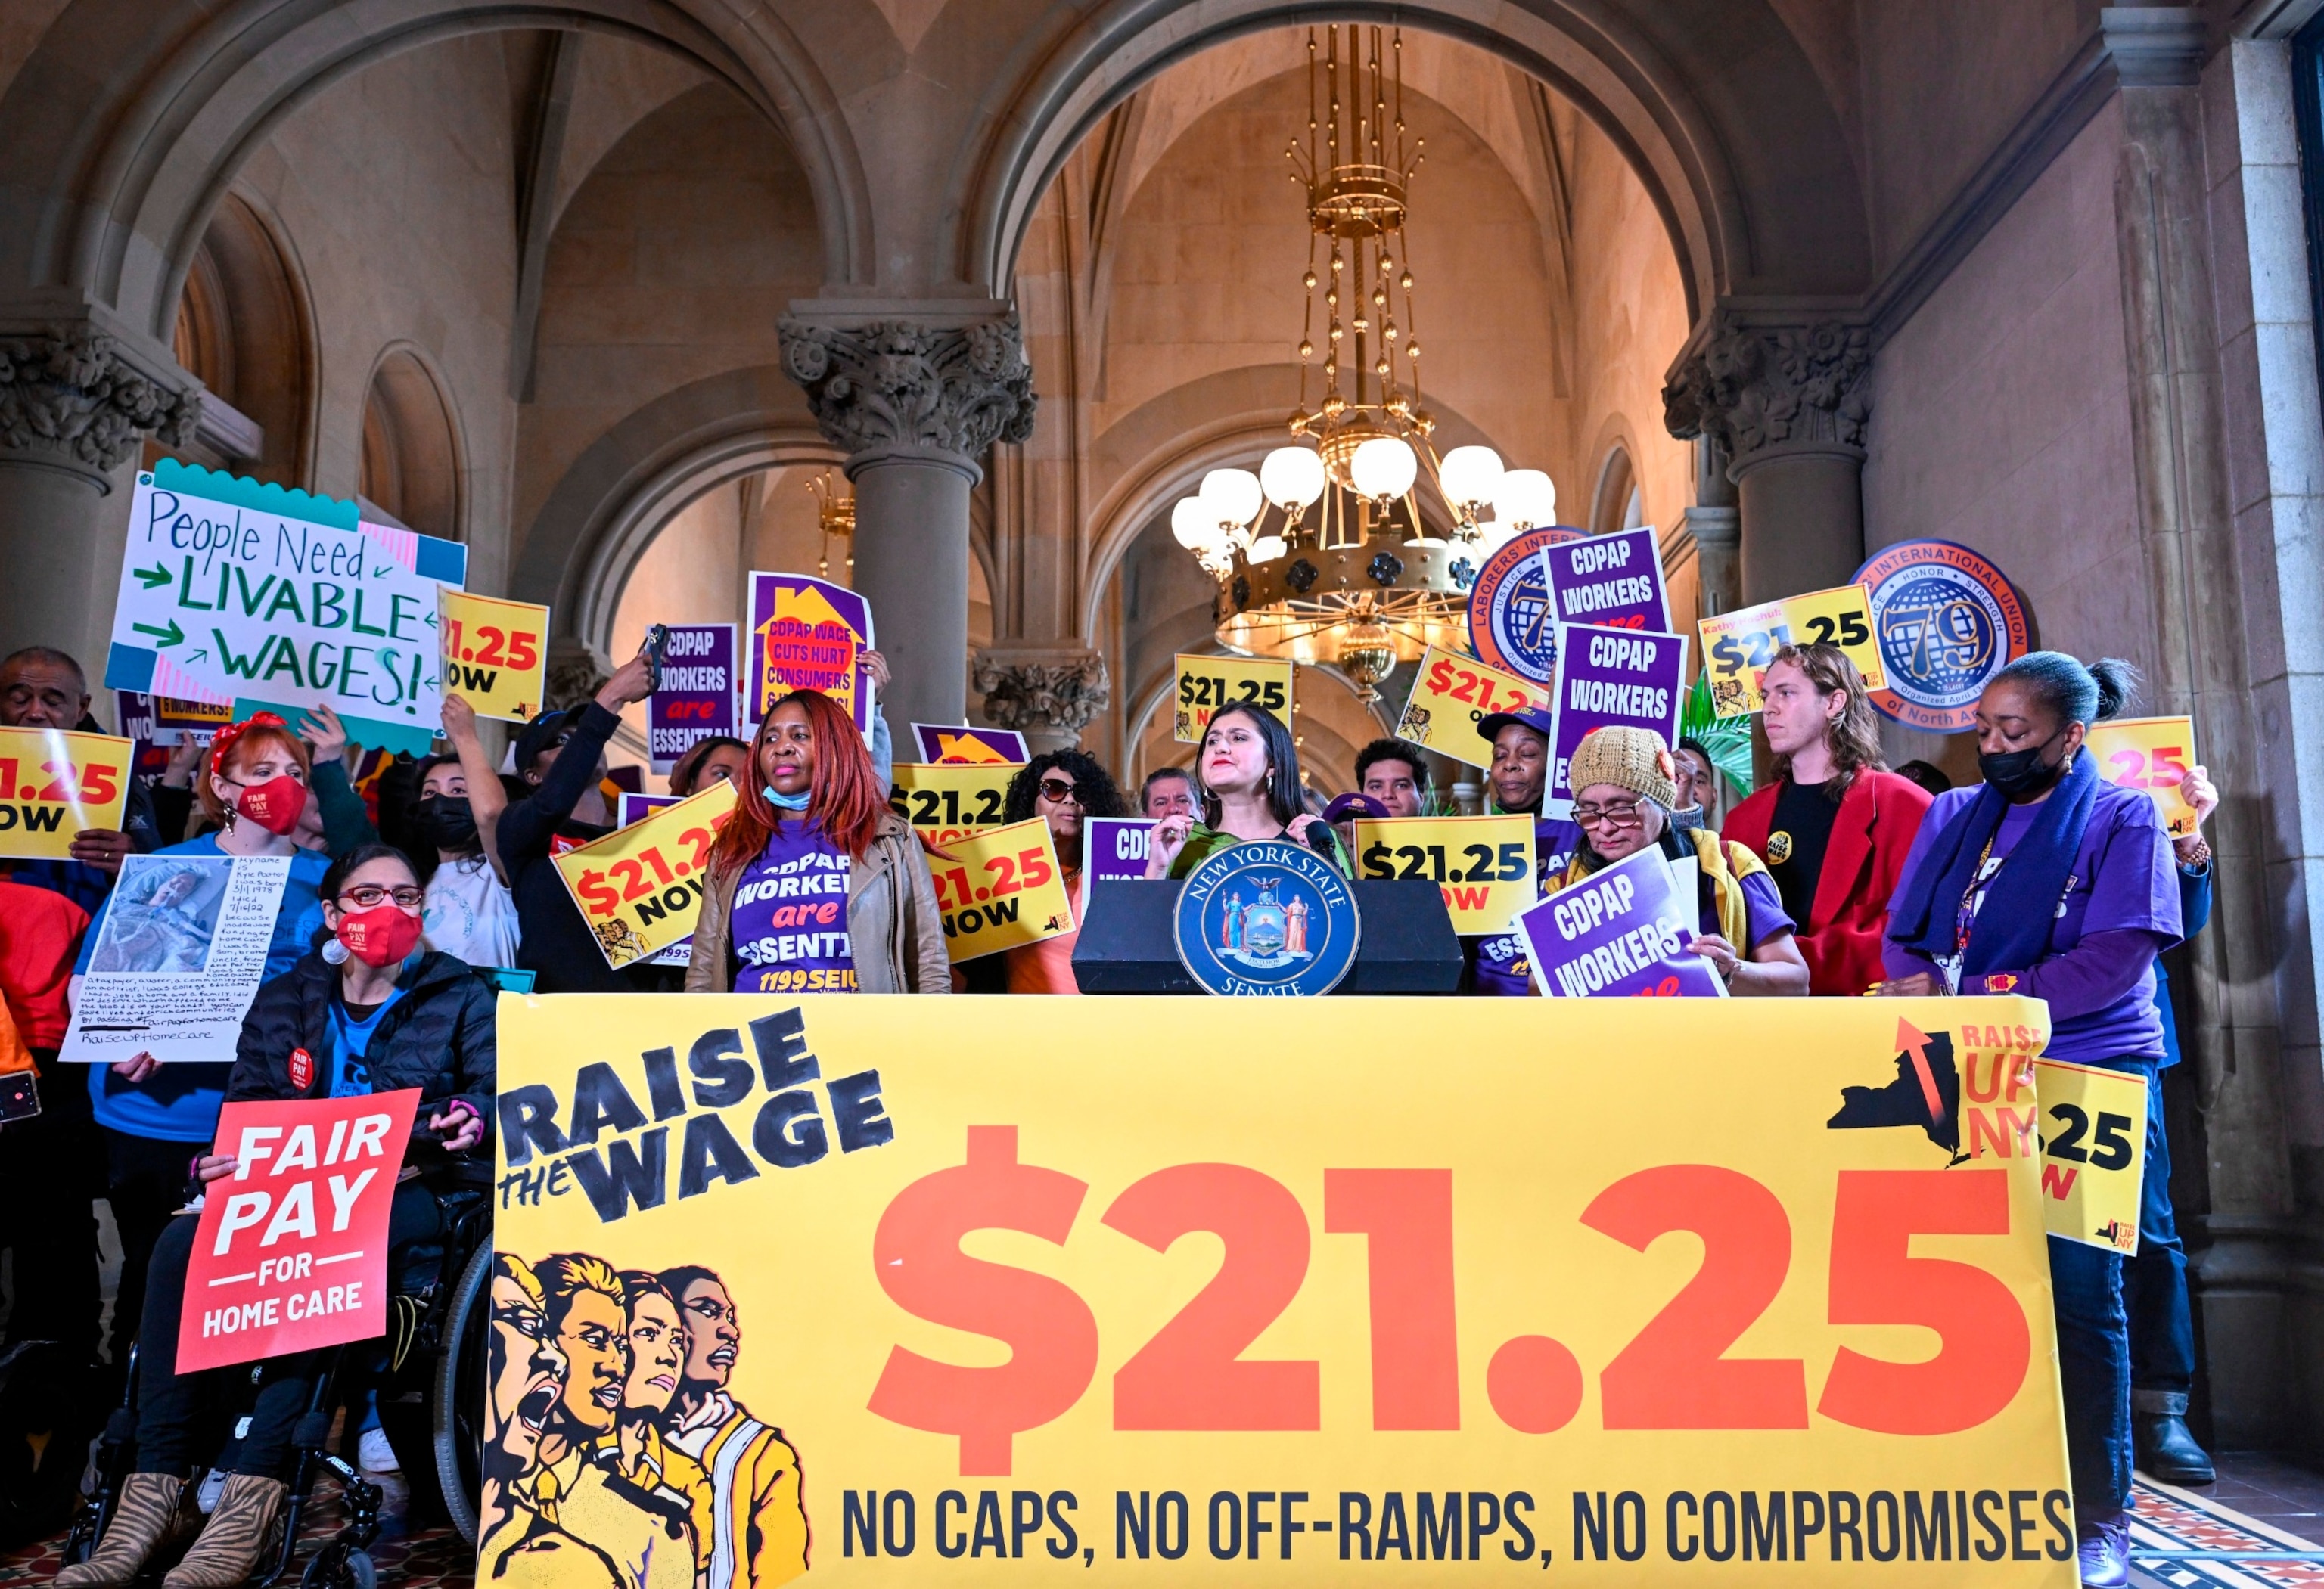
785, 802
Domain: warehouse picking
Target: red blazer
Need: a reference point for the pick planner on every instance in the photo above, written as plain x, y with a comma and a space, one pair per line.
1871, 833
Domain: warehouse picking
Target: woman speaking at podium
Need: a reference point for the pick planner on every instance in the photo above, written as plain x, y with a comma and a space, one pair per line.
1250, 772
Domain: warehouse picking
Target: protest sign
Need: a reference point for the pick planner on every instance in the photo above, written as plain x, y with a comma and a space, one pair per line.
640, 887
132, 713
628, 812
241, 592
55, 783
290, 1254
175, 719
1612, 581
1600, 1301
2153, 754
808, 634
1113, 848
1621, 931
1001, 888
696, 699
495, 653
1512, 626
943, 802
1738, 645
2093, 1150
1207, 683
1946, 619
1483, 864
181, 950
1451, 695
1610, 677
980, 746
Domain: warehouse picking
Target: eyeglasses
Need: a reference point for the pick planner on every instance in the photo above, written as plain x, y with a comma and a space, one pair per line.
368, 896
1614, 814
1057, 789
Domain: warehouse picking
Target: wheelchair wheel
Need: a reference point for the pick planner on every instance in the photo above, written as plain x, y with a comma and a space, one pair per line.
339, 1565
460, 1392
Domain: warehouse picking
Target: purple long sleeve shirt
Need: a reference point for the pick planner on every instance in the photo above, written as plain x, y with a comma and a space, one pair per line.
2119, 910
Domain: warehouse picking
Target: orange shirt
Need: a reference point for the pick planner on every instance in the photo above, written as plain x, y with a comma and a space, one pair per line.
1047, 967
39, 936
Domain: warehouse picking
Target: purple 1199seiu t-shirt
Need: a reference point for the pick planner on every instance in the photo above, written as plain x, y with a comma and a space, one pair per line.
790, 921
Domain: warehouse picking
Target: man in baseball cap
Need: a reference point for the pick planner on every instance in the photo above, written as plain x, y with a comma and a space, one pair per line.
1624, 782
1497, 966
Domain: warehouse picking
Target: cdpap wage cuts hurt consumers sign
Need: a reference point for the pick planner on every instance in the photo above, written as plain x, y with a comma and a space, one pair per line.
1587, 1295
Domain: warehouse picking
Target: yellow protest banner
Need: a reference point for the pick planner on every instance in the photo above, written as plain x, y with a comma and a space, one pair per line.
1483, 864
946, 800
2153, 754
1000, 888
1451, 695
640, 887
1596, 1299
2093, 1152
1205, 684
1738, 645
55, 783
495, 653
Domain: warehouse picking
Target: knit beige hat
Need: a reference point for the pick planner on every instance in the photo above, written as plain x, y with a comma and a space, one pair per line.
1634, 759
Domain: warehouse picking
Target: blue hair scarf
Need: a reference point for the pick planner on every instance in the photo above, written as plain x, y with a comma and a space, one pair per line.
2021, 903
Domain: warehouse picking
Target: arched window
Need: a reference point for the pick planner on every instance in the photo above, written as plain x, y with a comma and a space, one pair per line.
242, 331
410, 448
1615, 504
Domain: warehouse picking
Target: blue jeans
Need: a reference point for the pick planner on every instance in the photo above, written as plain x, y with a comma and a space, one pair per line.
2154, 1283
2094, 1375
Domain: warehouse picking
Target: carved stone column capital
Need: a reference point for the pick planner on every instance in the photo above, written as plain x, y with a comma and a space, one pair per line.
1763, 388
1046, 692
69, 398
882, 386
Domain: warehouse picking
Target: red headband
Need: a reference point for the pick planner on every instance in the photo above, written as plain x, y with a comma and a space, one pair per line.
232, 731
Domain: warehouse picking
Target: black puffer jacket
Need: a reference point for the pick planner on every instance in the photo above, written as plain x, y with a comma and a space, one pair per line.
438, 1037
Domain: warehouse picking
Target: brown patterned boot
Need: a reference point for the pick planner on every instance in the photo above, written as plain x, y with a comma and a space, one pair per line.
140, 1517
230, 1546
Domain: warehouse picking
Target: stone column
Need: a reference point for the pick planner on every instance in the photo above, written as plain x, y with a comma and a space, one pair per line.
1786, 404
1048, 693
916, 402
74, 408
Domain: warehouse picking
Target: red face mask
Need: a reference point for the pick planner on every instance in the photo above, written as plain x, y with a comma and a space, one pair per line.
275, 805
380, 936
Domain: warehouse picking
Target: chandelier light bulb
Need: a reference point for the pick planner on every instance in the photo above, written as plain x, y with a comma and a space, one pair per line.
1526, 499
1292, 478
1232, 495
1470, 476
1383, 468
1192, 523
1495, 535
1266, 548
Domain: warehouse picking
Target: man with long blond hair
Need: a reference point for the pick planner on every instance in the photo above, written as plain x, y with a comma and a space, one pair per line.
1835, 825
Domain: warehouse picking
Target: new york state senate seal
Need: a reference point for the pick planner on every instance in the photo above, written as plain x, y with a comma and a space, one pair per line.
1270, 918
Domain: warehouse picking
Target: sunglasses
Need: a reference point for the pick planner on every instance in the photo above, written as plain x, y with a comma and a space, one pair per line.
1057, 789
368, 896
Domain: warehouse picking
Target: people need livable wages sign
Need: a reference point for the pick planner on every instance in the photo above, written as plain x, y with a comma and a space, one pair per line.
233, 590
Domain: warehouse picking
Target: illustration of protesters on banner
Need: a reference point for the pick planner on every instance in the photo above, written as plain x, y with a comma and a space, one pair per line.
163, 916
520, 1542
755, 1471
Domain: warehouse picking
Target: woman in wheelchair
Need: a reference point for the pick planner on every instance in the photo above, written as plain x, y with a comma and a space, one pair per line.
367, 1010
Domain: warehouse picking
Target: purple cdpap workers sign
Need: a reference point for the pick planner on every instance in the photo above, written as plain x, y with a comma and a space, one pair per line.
1113, 848
1613, 581
1608, 677
696, 698
1623, 930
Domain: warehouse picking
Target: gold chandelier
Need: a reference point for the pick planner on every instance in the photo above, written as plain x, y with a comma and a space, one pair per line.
1366, 585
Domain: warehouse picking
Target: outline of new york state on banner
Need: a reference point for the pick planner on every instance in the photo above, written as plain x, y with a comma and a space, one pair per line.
254, 567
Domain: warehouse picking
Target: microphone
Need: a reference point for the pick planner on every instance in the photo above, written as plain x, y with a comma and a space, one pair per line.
1320, 839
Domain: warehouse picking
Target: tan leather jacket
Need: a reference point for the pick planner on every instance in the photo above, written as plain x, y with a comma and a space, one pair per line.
896, 949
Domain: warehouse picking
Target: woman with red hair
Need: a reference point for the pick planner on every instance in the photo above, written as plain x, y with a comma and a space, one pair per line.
815, 887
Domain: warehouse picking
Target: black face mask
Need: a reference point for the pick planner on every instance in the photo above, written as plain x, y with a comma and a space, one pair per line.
2016, 775
446, 822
